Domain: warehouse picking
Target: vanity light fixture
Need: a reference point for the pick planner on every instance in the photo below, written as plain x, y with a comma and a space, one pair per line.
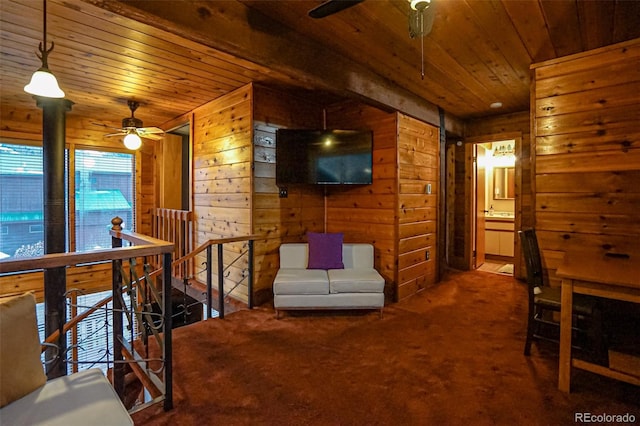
43, 82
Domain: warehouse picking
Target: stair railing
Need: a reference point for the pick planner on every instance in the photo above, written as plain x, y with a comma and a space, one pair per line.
176, 226
207, 247
127, 246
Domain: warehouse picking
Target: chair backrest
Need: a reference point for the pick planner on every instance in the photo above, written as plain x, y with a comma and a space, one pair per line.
532, 258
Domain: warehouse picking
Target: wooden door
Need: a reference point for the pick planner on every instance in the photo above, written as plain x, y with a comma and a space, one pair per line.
169, 159
480, 204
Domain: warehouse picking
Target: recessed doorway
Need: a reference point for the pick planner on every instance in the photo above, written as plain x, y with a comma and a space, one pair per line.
494, 207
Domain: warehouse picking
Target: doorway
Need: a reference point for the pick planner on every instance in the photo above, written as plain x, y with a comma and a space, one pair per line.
177, 169
494, 206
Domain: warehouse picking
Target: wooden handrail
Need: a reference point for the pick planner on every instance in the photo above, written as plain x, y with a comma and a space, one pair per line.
213, 242
148, 246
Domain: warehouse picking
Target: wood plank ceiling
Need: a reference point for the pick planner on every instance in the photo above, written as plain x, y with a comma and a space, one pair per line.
173, 56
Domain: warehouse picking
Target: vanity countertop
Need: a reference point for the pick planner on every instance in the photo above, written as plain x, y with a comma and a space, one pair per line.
500, 217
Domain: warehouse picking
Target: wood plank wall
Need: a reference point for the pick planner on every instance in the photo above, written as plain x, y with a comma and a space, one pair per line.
587, 152
25, 126
494, 128
368, 213
222, 157
280, 220
394, 213
418, 168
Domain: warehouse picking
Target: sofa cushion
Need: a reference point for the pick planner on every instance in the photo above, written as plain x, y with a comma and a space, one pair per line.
293, 255
325, 251
358, 255
355, 281
21, 370
301, 281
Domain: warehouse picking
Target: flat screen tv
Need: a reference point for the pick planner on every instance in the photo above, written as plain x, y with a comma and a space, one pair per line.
331, 157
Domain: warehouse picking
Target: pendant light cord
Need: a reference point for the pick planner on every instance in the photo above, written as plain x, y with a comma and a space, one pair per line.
43, 44
44, 23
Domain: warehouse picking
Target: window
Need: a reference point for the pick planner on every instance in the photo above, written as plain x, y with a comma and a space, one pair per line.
104, 187
21, 201
100, 185
35, 229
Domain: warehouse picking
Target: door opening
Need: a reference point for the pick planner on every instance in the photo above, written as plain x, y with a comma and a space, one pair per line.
494, 194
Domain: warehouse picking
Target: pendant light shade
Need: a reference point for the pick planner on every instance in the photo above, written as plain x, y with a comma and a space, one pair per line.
132, 141
43, 82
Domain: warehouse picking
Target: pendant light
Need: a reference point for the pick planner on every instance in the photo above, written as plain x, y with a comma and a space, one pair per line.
43, 82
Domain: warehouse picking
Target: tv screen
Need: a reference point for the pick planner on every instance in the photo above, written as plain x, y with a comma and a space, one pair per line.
323, 156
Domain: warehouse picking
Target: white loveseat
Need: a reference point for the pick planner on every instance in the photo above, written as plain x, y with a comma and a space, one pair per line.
357, 286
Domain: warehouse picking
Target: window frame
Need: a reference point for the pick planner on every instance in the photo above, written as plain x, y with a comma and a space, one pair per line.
70, 149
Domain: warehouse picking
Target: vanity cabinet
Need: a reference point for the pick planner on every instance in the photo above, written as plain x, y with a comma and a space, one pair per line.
499, 236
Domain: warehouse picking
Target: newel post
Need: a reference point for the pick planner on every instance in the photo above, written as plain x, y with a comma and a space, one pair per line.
117, 320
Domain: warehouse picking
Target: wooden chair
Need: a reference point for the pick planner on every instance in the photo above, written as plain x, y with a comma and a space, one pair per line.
544, 300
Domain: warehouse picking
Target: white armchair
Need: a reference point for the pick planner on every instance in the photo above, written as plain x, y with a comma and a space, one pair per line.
27, 398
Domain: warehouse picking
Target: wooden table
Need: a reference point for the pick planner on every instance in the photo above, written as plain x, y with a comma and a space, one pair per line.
597, 275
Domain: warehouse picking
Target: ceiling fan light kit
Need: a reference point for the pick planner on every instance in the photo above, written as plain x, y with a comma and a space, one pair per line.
43, 82
419, 4
132, 141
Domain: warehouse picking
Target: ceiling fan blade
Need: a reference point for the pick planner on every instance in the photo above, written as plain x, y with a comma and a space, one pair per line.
149, 130
151, 136
330, 7
121, 133
105, 125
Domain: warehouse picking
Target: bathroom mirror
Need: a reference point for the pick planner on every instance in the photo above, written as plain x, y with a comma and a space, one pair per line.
504, 183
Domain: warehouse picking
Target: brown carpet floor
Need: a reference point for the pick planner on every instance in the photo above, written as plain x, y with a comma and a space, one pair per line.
450, 355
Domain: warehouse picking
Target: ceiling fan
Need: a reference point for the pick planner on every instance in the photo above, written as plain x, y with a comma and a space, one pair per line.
421, 13
132, 129
421, 16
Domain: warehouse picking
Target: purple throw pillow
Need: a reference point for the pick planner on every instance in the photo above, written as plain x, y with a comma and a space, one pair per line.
325, 251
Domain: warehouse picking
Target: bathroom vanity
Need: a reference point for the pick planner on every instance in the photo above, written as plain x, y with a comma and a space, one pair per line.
499, 234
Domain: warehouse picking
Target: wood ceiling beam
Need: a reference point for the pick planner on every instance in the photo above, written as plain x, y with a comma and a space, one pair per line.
237, 30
